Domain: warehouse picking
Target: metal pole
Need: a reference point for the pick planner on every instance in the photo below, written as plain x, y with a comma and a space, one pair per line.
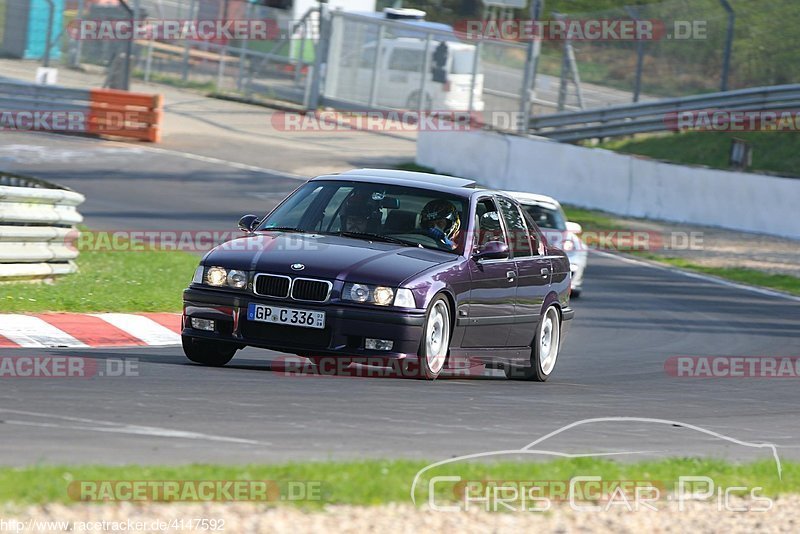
298, 66
79, 45
726, 60
185, 69
426, 60
531, 64
126, 81
637, 83
148, 64
49, 38
562, 85
321, 56
475, 65
373, 87
243, 51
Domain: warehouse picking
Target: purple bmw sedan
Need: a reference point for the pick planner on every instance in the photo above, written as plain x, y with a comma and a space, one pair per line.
386, 267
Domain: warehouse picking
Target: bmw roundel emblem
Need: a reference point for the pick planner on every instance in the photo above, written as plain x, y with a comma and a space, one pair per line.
298, 266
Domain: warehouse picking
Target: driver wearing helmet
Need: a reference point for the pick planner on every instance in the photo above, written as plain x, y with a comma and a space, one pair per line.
439, 219
359, 214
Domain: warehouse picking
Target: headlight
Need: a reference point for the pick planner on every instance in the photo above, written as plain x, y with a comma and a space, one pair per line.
198, 275
383, 295
216, 276
380, 295
358, 293
569, 245
237, 279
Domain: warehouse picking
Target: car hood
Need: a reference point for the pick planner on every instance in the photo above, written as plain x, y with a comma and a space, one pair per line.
325, 256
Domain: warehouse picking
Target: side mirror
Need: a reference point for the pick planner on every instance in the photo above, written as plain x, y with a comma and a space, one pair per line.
574, 227
248, 223
493, 250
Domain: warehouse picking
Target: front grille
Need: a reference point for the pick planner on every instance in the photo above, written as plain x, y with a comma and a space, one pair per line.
287, 336
272, 285
310, 290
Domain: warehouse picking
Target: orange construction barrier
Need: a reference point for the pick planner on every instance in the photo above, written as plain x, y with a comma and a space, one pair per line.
125, 114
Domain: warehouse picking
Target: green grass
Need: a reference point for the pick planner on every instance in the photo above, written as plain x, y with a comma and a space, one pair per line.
781, 282
108, 281
376, 482
775, 152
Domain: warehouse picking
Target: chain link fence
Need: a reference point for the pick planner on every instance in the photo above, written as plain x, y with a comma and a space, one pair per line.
369, 62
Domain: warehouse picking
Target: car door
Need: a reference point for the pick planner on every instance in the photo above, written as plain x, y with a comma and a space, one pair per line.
534, 270
490, 304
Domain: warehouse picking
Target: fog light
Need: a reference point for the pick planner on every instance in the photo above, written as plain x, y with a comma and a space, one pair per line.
203, 324
378, 344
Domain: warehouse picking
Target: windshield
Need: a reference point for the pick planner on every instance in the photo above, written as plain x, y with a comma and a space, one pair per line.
550, 218
377, 212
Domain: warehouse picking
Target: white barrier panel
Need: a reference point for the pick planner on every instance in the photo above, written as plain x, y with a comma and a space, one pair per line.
617, 183
37, 227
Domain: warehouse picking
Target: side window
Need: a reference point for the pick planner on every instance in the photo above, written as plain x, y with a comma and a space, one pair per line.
367, 57
406, 59
487, 223
519, 237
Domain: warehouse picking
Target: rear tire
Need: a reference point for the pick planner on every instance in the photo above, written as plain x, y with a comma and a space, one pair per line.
208, 352
575, 293
544, 350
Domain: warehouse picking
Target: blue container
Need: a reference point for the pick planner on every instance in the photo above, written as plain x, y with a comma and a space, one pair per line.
36, 38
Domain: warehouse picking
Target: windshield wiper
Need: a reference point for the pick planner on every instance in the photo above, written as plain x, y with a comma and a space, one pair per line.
379, 237
281, 229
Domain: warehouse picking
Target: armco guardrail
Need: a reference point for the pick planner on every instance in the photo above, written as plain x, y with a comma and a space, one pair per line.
90, 111
37, 224
654, 116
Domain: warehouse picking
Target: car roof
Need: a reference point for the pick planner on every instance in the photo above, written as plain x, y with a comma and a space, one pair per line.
532, 198
437, 182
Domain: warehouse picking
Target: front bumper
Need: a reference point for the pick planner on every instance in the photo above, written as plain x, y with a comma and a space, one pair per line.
346, 326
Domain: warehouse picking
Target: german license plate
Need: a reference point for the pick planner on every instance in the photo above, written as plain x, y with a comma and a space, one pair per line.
289, 316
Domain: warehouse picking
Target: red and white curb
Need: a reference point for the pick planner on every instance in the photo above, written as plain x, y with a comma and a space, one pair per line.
48, 330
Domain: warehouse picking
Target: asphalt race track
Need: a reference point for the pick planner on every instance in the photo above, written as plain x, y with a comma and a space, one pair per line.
631, 318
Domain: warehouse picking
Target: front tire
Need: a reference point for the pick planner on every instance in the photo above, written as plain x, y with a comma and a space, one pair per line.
207, 352
544, 350
435, 343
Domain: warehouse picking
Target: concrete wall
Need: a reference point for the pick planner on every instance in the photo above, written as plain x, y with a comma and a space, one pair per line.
617, 183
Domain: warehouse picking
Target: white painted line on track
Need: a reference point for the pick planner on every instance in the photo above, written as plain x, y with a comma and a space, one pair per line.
92, 425
228, 163
141, 327
29, 331
699, 276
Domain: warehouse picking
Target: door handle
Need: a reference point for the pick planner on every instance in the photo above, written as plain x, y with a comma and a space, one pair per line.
511, 275
545, 271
